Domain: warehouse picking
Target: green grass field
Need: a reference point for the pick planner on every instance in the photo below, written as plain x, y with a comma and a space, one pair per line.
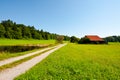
78, 62
22, 42
3, 42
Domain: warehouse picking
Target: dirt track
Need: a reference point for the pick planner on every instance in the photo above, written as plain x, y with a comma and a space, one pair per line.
10, 74
10, 60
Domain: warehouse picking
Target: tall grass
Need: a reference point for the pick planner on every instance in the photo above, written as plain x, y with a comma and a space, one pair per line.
78, 62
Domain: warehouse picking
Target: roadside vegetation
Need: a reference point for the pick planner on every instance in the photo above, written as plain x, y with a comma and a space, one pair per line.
78, 62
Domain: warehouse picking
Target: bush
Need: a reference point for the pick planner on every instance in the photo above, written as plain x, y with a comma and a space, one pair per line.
84, 41
59, 39
74, 39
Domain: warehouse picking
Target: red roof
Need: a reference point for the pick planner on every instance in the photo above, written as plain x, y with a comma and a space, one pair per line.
94, 38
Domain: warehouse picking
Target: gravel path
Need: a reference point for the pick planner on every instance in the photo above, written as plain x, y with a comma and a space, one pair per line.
10, 74
10, 60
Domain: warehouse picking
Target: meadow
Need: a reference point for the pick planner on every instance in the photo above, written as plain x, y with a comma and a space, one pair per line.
22, 42
78, 62
12, 42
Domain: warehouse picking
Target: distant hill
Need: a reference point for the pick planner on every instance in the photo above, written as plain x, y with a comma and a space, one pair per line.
11, 30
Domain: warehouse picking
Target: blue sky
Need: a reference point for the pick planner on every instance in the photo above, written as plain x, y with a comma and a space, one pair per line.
68, 17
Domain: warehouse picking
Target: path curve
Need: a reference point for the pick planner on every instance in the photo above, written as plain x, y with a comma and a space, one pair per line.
10, 74
10, 60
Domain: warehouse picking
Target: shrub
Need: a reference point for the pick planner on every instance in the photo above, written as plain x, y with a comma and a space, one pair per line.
84, 41
74, 39
59, 39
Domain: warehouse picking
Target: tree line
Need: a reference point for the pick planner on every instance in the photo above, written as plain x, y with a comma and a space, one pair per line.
112, 39
11, 30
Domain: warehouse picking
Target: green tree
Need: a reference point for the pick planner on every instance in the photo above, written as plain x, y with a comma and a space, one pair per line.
66, 38
18, 33
74, 39
8, 33
47, 36
112, 39
84, 41
36, 35
41, 38
11, 30
2, 31
26, 33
